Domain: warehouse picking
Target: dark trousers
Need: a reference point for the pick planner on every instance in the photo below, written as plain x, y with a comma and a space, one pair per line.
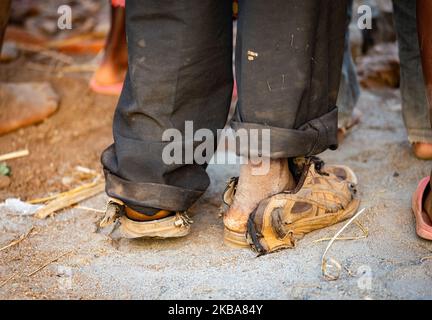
180, 69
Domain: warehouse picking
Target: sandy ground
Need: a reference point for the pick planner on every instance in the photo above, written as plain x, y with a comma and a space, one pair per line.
386, 264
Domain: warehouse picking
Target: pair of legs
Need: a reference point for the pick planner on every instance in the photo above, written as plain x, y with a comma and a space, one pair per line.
288, 63
413, 92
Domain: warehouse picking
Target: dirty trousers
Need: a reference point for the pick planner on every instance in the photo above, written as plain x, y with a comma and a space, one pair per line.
288, 65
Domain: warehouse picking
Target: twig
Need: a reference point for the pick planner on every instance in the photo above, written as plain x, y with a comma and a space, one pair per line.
63, 194
89, 209
350, 273
46, 199
8, 279
340, 239
15, 154
69, 199
86, 170
17, 241
48, 263
362, 228
324, 261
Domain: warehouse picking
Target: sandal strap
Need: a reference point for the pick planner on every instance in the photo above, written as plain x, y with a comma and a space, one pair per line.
229, 191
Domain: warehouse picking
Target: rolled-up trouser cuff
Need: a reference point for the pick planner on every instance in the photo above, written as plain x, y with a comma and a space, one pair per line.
419, 135
312, 138
151, 195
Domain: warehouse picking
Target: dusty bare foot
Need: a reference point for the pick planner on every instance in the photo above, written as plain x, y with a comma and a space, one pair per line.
109, 73
23, 104
251, 189
422, 150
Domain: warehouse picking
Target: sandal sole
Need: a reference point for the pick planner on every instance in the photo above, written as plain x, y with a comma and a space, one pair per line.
159, 229
235, 239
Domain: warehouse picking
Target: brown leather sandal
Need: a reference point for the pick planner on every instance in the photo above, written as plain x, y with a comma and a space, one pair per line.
330, 172
321, 201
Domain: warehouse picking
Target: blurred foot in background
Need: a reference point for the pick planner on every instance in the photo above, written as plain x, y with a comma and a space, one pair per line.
108, 78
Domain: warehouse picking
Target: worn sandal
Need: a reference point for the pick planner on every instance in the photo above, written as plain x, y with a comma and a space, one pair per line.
238, 239
321, 201
174, 226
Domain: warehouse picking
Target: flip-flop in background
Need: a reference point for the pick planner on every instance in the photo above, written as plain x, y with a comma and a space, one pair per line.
118, 3
423, 222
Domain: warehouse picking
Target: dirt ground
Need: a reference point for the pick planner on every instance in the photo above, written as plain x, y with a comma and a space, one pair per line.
75, 135
388, 263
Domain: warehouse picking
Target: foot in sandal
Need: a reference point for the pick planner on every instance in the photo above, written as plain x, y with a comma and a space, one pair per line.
422, 209
161, 224
249, 191
235, 219
320, 199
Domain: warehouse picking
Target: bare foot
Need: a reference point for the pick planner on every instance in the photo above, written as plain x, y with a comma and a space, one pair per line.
115, 61
23, 104
422, 150
251, 189
110, 73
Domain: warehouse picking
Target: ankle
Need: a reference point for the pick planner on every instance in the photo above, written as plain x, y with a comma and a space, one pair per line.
252, 188
422, 150
139, 216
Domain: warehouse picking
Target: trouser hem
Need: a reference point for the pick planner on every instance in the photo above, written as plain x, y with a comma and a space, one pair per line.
153, 195
312, 138
419, 135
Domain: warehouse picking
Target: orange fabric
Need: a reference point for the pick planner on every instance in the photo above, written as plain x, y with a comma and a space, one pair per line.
118, 3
